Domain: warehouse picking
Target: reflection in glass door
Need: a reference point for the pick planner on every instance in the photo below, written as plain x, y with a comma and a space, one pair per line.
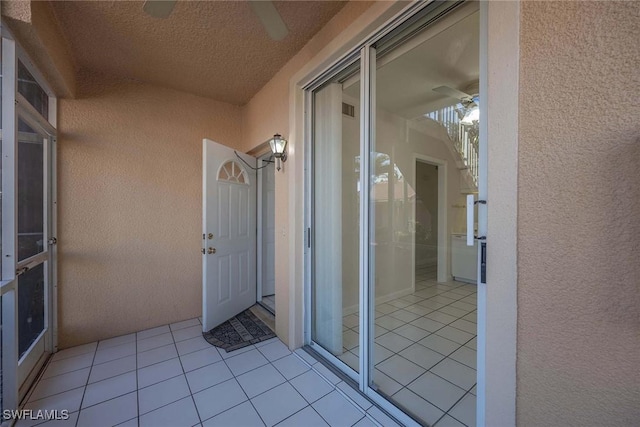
336, 201
424, 162
391, 271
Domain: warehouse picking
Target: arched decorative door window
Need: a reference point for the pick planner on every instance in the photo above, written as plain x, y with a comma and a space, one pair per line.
231, 171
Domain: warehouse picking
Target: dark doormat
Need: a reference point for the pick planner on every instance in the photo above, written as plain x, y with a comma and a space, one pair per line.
240, 331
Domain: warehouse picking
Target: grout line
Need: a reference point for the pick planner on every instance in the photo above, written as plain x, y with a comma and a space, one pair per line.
137, 384
84, 390
184, 373
453, 406
456, 298
245, 393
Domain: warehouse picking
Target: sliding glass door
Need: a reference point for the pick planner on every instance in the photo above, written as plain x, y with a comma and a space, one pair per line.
395, 153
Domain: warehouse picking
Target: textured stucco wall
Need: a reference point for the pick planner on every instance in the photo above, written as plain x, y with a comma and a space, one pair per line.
129, 205
268, 110
579, 215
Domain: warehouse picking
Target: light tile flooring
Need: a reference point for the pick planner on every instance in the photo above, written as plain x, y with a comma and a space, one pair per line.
425, 350
170, 376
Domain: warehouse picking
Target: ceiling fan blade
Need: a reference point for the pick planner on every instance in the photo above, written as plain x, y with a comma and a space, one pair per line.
270, 18
453, 93
159, 8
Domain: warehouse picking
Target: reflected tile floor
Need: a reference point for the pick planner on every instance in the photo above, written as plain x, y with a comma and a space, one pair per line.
425, 350
170, 376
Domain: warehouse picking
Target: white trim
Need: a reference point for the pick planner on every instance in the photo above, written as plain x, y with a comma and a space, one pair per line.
10, 341
9, 344
307, 212
337, 363
53, 232
6, 286
367, 140
260, 226
259, 230
32, 117
9, 159
443, 223
34, 260
497, 310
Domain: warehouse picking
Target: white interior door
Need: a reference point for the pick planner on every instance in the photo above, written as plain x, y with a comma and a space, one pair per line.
229, 234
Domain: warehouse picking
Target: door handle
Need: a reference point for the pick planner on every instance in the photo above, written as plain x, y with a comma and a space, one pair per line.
471, 202
470, 219
211, 251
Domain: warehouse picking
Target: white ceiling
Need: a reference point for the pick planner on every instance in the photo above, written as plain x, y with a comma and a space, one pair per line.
407, 76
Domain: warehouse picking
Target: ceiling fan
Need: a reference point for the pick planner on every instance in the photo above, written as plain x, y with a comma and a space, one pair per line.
466, 99
264, 10
470, 103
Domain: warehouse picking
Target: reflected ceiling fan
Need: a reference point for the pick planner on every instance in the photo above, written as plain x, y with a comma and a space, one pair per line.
470, 102
264, 10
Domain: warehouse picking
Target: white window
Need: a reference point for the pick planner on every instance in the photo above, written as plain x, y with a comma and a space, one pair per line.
231, 171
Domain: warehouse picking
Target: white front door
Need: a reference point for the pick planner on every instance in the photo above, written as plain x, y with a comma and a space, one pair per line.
229, 234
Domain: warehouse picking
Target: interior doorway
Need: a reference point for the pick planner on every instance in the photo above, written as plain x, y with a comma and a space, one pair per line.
266, 286
426, 221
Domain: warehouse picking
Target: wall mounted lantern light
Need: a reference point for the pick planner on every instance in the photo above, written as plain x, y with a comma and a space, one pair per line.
279, 148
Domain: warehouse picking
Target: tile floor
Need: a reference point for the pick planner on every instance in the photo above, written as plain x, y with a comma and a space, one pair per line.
425, 350
170, 376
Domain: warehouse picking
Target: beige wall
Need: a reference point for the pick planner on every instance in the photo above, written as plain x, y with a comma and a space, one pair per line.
129, 205
579, 215
268, 111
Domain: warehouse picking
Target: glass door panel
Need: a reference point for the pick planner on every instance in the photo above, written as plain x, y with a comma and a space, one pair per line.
335, 218
423, 163
33, 255
31, 192
31, 307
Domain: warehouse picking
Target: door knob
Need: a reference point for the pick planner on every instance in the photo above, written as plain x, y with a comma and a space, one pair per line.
211, 251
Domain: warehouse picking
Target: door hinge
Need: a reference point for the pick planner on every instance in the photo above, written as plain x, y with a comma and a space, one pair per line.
53, 241
309, 237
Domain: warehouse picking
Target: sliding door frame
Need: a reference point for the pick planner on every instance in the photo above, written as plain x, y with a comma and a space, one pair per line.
367, 55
